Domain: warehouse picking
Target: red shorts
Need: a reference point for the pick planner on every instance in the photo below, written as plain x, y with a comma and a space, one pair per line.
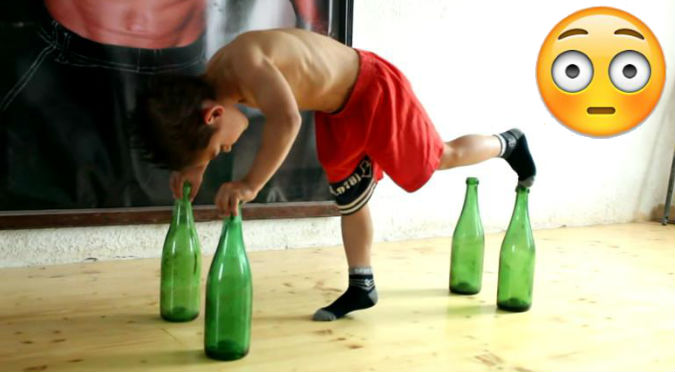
381, 127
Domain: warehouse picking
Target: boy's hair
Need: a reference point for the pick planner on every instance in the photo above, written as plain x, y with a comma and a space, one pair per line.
169, 127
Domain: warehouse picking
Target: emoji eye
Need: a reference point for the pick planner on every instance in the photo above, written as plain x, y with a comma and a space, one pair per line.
629, 71
572, 71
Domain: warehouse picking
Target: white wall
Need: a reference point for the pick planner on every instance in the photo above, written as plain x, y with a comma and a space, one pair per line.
472, 64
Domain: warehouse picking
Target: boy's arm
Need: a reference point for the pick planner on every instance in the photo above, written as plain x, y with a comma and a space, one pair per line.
264, 84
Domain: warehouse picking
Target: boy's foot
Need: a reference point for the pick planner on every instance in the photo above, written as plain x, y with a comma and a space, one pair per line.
361, 294
516, 152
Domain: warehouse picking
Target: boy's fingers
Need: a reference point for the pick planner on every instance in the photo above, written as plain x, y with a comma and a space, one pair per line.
232, 206
225, 205
220, 206
219, 209
178, 186
193, 192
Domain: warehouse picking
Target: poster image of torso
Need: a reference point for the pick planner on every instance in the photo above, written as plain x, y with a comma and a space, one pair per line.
69, 82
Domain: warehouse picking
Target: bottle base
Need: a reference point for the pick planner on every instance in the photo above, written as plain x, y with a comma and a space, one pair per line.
178, 315
464, 289
224, 351
514, 305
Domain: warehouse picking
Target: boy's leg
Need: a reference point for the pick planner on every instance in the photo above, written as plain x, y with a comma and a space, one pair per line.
357, 237
470, 149
510, 145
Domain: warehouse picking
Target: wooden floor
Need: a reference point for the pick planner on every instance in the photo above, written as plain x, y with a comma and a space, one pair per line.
604, 300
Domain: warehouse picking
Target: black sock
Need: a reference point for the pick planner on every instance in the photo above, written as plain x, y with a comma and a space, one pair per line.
361, 294
516, 152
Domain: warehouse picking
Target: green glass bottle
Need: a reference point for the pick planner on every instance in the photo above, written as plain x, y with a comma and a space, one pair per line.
179, 298
229, 296
516, 259
468, 245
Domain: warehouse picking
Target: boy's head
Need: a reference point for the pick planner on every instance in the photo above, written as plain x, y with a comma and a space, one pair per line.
181, 125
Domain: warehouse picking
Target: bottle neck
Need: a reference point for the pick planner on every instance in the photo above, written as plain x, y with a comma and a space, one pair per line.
470, 198
182, 212
521, 208
231, 223
521, 198
231, 236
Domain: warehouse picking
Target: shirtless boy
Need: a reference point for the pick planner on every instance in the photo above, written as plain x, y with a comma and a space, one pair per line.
368, 121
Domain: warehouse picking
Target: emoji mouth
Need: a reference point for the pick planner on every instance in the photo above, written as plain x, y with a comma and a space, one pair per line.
601, 110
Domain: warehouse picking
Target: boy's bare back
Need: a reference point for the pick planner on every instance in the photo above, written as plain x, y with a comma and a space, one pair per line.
319, 70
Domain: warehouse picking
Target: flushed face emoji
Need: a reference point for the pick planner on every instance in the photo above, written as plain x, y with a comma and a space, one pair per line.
600, 71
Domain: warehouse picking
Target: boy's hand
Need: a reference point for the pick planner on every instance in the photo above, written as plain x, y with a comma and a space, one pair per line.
230, 194
194, 175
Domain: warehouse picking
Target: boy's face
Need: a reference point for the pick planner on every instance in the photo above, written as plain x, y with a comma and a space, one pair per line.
228, 123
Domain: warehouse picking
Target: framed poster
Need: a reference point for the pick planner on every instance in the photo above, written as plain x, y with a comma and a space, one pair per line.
69, 82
